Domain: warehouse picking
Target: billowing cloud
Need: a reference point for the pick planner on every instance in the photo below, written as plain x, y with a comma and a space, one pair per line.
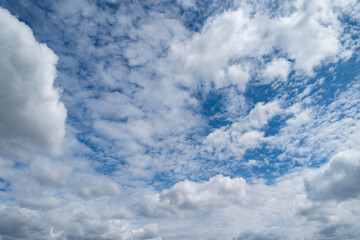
338, 180
278, 68
191, 196
80, 223
32, 117
307, 33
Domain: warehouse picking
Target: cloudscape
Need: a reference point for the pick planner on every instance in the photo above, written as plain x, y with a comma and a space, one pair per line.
179, 119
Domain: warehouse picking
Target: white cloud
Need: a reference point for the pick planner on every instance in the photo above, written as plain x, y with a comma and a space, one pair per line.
224, 207
187, 3
149, 231
277, 68
245, 133
316, 131
338, 179
90, 186
310, 34
262, 113
31, 115
143, 107
248, 235
191, 196
50, 173
238, 76
76, 221
40, 202
307, 32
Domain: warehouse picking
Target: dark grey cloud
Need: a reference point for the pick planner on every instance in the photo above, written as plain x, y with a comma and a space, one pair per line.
18, 223
337, 231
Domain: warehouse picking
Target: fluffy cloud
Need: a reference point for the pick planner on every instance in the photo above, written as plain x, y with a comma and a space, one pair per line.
338, 179
89, 186
31, 115
147, 232
191, 196
278, 68
243, 134
77, 222
310, 34
50, 173
137, 84
233, 46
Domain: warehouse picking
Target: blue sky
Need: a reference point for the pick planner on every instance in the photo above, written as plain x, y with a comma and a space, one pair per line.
179, 119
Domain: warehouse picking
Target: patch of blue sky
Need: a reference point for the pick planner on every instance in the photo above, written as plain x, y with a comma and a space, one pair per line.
260, 93
213, 109
195, 17
4, 185
164, 180
337, 77
34, 18
102, 150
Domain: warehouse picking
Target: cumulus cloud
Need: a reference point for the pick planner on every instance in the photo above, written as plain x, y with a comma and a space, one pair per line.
192, 196
233, 46
278, 68
338, 179
19, 223
75, 222
310, 34
32, 117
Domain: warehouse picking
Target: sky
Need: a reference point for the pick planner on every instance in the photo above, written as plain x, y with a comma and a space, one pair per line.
179, 119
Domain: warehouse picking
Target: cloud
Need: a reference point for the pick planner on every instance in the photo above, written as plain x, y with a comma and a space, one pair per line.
235, 45
50, 173
338, 179
18, 223
310, 34
137, 82
187, 3
149, 231
192, 196
74, 222
278, 68
244, 133
32, 117
257, 236
90, 186
315, 130
44, 202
